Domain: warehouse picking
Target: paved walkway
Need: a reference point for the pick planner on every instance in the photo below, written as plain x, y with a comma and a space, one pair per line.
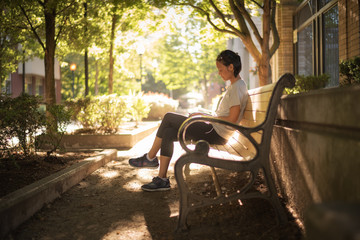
109, 205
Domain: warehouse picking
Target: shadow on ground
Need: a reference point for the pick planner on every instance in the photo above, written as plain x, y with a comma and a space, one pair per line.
109, 204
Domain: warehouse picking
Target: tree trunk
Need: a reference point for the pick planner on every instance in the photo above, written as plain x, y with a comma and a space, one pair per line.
111, 53
96, 77
50, 95
86, 60
264, 66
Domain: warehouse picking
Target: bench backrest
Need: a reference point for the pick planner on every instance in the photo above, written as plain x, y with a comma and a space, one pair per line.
259, 115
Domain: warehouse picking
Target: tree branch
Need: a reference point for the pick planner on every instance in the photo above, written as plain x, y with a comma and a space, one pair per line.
239, 18
41, 3
266, 17
221, 15
61, 27
65, 8
256, 3
32, 28
239, 6
224, 30
274, 31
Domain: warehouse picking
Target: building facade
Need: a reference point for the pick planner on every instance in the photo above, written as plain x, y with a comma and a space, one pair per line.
316, 35
30, 78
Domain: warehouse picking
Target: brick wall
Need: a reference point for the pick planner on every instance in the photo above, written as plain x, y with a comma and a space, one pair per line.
349, 36
282, 61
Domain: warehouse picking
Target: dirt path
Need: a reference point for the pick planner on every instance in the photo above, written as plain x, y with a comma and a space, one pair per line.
110, 205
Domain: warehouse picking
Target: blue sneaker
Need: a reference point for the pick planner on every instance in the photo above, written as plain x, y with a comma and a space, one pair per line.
143, 162
157, 184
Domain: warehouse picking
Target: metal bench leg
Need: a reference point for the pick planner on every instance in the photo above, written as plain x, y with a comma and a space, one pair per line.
216, 181
279, 209
184, 199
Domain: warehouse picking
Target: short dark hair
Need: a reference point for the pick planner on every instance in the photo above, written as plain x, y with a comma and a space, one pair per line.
228, 57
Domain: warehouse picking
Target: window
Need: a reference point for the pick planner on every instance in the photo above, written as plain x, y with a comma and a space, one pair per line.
39, 86
7, 88
316, 31
331, 47
28, 85
305, 39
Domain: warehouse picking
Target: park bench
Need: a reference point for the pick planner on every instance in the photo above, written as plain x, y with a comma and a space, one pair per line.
247, 150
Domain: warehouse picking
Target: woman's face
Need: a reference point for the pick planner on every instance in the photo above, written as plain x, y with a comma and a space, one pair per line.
226, 72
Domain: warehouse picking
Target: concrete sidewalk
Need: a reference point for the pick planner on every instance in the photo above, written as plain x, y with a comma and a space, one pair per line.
109, 205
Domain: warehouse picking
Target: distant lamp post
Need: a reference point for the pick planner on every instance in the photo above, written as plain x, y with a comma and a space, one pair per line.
72, 69
140, 50
155, 65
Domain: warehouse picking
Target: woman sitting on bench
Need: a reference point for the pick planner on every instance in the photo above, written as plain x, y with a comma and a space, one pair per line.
231, 108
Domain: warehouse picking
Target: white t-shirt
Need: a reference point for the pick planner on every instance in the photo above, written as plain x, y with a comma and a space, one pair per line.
236, 94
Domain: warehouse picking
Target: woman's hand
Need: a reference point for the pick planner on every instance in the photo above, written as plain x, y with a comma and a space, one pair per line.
198, 114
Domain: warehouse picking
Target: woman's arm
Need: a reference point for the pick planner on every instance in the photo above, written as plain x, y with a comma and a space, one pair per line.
233, 115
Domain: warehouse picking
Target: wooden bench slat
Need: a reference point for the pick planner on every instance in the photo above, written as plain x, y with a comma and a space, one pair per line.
241, 145
221, 149
257, 106
264, 97
252, 115
267, 88
250, 123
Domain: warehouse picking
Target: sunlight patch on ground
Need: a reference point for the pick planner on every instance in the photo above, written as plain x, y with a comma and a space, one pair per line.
146, 175
129, 229
174, 209
133, 186
139, 177
110, 174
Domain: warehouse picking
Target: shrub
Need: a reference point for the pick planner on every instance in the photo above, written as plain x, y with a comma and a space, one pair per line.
138, 107
307, 83
101, 113
62, 115
77, 105
20, 118
159, 104
109, 112
350, 70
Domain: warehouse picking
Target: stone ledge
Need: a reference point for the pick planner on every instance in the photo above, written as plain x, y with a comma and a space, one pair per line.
17, 207
124, 140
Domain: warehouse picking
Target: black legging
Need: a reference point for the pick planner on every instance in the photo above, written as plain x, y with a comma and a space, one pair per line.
196, 131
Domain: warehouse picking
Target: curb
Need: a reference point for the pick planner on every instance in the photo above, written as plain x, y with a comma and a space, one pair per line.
124, 140
19, 206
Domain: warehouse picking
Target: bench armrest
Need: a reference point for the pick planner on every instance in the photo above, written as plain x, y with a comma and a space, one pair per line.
246, 131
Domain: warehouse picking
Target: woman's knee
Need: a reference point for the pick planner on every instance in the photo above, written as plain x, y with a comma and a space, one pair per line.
168, 116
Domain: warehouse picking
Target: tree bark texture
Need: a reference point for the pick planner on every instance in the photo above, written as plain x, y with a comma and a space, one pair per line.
111, 53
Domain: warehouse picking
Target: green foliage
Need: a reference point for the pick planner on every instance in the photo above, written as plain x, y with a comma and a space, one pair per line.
111, 110
159, 105
62, 116
103, 113
138, 108
10, 37
307, 83
85, 111
76, 105
20, 118
350, 70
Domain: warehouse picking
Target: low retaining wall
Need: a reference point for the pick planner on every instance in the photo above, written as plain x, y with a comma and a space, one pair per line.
124, 140
315, 148
17, 207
